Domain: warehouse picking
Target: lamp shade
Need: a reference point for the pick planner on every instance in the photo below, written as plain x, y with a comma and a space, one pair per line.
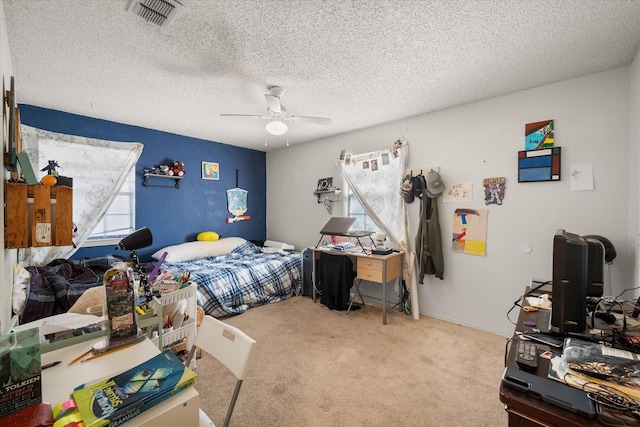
137, 240
276, 127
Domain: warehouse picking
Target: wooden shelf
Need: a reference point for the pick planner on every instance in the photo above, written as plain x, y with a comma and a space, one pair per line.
155, 175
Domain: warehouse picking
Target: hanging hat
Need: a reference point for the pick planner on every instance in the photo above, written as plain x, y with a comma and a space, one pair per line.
417, 186
435, 186
406, 189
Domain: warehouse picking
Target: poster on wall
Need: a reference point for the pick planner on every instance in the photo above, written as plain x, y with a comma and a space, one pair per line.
461, 192
470, 231
493, 190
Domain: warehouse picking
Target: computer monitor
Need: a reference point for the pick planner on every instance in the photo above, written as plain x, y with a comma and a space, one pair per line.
570, 283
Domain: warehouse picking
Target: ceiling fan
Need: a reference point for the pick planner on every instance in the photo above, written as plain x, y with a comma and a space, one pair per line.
277, 114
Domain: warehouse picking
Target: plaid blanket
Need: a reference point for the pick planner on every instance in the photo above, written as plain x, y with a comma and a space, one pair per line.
230, 284
55, 287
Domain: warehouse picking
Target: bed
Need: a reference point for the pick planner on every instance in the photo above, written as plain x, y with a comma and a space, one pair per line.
234, 274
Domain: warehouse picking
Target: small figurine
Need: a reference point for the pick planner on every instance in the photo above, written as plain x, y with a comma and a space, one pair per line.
177, 168
51, 168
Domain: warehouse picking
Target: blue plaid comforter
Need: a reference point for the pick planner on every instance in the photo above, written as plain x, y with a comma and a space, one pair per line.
230, 284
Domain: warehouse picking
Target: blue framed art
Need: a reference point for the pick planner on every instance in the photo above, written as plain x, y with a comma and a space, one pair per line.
539, 165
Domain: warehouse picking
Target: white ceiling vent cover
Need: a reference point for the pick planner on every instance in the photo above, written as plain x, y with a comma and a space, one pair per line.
159, 12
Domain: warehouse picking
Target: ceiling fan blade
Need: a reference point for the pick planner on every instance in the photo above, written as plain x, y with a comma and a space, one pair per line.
246, 115
315, 120
273, 102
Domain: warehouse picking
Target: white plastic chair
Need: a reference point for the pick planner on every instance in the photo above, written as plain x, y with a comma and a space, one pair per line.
230, 346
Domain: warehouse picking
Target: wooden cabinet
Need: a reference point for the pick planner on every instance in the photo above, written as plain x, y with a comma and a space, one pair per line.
37, 215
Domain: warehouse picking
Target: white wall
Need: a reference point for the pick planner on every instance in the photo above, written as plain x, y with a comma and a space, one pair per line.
476, 141
6, 280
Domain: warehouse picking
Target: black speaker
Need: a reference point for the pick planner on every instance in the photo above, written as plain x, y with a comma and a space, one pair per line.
307, 272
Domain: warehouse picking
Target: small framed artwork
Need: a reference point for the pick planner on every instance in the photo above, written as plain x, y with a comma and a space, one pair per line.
539, 165
210, 170
325, 184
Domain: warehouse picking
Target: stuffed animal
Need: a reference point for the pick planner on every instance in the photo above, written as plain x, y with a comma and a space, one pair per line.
164, 170
177, 169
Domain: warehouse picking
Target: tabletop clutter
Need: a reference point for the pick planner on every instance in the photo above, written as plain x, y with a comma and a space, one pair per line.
124, 303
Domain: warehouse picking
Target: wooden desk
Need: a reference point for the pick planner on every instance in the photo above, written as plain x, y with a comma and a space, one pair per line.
374, 268
59, 381
525, 410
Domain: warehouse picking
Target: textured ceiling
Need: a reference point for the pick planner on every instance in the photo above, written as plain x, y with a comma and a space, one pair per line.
361, 63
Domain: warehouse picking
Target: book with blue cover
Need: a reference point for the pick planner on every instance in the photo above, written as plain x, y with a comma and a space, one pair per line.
111, 402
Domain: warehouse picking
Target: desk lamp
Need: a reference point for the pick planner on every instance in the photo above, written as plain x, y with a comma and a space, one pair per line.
137, 240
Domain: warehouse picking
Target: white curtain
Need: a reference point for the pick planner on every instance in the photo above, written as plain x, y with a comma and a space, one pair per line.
98, 168
375, 180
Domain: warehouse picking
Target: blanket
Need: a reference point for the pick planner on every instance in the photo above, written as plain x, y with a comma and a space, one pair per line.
55, 287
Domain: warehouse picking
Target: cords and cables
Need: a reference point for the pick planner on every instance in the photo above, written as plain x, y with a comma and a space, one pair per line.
516, 303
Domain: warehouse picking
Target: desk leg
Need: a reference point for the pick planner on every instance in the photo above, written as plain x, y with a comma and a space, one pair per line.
384, 293
313, 278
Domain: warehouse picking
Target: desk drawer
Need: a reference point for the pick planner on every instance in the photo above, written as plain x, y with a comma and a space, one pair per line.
369, 274
370, 264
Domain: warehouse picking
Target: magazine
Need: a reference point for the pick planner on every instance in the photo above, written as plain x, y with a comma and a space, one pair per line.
110, 402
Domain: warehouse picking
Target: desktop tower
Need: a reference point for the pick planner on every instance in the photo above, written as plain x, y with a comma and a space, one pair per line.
307, 272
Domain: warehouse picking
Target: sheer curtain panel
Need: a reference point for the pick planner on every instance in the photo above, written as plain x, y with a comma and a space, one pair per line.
374, 178
98, 168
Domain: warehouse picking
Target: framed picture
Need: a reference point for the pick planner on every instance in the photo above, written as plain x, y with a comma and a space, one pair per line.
324, 184
210, 170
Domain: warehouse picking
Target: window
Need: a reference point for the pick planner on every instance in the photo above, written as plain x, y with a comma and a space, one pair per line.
354, 209
119, 220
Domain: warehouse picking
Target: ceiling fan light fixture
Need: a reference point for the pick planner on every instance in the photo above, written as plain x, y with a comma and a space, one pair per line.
276, 127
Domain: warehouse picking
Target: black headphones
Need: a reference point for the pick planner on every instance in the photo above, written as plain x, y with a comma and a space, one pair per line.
595, 310
609, 250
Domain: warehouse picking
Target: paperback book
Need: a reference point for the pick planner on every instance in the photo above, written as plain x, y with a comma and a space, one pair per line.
20, 383
113, 401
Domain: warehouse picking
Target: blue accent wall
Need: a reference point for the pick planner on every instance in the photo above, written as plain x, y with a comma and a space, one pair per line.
173, 215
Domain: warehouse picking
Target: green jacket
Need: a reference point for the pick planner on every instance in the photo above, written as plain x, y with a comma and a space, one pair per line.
429, 238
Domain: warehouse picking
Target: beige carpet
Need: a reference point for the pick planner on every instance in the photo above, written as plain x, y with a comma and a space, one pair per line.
315, 367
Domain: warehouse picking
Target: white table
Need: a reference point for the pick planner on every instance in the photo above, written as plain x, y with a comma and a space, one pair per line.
59, 381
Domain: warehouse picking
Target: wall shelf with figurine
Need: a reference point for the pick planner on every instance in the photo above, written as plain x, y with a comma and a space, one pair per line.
174, 171
145, 182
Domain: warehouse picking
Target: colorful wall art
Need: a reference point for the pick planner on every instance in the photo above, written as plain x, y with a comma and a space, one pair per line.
538, 135
539, 165
493, 190
470, 231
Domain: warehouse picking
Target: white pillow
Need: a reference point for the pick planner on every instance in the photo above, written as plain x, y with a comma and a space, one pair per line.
89, 298
200, 249
21, 278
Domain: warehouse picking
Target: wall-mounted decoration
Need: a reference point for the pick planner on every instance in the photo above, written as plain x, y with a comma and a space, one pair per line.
538, 135
493, 190
581, 177
210, 170
462, 192
237, 203
470, 231
10, 108
325, 184
539, 165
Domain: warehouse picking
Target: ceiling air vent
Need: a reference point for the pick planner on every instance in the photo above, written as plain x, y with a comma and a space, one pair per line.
159, 12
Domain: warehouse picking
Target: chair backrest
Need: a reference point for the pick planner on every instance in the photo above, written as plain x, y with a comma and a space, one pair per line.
229, 345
